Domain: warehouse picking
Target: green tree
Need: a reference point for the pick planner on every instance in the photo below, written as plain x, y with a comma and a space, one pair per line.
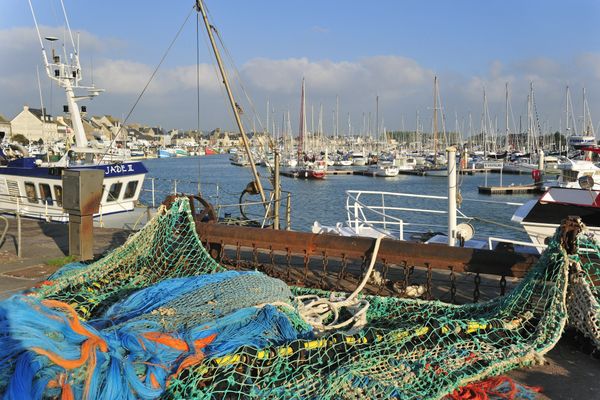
21, 139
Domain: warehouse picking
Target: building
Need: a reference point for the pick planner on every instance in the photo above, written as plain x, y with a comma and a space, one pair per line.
110, 128
5, 128
35, 124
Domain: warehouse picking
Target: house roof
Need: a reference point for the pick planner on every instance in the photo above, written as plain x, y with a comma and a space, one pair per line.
39, 113
2, 119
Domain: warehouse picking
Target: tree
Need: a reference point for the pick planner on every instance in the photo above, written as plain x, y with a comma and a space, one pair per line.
21, 139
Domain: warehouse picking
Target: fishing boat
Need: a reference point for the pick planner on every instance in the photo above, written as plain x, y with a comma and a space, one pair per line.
33, 188
166, 153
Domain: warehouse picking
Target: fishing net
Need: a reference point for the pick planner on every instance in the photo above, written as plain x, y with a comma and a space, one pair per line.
159, 318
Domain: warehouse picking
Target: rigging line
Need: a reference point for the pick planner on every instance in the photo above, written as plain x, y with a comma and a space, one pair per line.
236, 71
238, 76
215, 70
198, 135
149, 81
198, 73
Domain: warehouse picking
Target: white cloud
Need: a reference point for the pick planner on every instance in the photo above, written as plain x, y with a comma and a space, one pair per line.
403, 84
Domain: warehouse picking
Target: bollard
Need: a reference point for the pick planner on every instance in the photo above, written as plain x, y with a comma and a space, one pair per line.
451, 196
82, 191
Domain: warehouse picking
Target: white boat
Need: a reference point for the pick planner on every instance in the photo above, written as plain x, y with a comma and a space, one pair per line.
358, 160
404, 163
573, 171
541, 217
34, 188
520, 166
289, 162
344, 163
383, 169
239, 159
581, 141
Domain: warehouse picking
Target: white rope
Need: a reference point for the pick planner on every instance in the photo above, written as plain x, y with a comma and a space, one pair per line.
316, 311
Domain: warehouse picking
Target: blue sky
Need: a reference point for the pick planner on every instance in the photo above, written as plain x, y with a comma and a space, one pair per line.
356, 50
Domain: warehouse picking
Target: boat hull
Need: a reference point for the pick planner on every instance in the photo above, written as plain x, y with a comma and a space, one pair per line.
37, 192
310, 174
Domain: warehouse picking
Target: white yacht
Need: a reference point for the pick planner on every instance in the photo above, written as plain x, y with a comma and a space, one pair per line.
572, 171
383, 169
541, 217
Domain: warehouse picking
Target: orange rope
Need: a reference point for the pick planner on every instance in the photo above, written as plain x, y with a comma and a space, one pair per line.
195, 358
88, 348
167, 340
154, 381
483, 390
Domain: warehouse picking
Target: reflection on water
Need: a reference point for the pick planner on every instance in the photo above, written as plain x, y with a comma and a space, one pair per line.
324, 201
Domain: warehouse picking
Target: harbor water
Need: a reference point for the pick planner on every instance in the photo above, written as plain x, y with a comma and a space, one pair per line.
325, 200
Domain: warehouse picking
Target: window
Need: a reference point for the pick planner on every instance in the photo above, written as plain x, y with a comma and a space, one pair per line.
58, 195
130, 190
30, 192
46, 194
114, 192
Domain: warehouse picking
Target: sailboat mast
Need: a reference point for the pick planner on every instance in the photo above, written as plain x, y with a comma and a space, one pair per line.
302, 127
234, 106
506, 118
435, 127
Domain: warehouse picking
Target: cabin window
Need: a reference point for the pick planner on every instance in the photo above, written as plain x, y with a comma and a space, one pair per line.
130, 189
58, 195
46, 194
114, 191
30, 192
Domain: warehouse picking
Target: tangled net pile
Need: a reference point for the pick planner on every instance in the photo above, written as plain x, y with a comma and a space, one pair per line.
159, 318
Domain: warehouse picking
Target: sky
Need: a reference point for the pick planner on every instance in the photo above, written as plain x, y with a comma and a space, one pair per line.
352, 51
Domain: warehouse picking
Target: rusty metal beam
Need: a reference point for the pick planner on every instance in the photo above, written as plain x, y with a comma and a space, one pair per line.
502, 263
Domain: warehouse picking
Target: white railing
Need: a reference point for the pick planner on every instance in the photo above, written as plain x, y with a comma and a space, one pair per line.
384, 217
383, 212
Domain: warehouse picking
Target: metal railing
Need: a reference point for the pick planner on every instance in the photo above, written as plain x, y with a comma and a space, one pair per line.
384, 215
388, 213
226, 204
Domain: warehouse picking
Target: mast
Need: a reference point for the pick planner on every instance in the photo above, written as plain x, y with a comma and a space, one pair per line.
234, 105
484, 128
435, 127
506, 118
377, 135
302, 127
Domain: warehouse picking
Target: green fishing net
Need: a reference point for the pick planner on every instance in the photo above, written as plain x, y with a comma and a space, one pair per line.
409, 349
